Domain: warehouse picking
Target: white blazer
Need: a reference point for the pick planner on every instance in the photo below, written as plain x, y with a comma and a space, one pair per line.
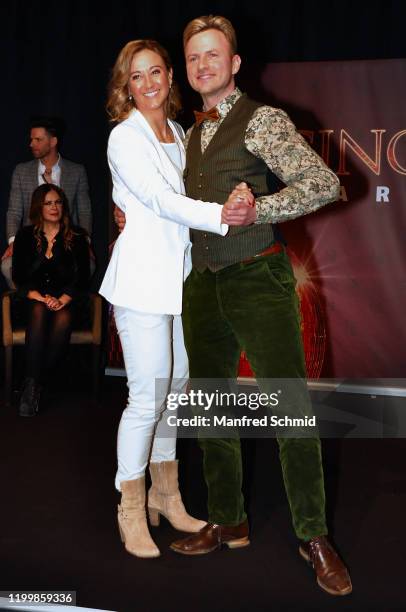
151, 256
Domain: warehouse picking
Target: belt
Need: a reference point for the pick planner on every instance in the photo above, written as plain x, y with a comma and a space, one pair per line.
277, 247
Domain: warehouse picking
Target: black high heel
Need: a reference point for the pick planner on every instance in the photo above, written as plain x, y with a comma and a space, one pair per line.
29, 398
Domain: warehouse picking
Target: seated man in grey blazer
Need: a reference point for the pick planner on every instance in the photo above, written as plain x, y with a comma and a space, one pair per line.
47, 167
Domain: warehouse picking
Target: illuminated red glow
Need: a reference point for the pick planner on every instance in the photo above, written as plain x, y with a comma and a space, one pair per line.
312, 326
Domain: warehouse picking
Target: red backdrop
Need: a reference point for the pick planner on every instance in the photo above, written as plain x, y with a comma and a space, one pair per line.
353, 253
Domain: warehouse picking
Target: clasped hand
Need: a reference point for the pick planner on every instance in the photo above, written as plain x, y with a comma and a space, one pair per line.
52, 302
238, 210
240, 207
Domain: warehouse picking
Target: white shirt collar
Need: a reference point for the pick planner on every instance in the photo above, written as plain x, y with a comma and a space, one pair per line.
56, 166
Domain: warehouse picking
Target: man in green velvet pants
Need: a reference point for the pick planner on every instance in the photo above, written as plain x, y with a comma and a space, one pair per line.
241, 291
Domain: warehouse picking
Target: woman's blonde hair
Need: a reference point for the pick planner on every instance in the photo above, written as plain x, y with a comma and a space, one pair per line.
119, 105
211, 22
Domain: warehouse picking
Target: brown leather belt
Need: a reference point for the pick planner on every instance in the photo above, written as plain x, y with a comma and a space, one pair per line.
277, 247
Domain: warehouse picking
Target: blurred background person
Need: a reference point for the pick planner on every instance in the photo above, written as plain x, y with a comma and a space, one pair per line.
51, 272
48, 166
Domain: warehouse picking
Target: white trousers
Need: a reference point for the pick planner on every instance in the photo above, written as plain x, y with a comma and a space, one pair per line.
153, 350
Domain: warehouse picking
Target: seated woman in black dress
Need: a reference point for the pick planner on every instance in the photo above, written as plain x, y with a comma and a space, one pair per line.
50, 270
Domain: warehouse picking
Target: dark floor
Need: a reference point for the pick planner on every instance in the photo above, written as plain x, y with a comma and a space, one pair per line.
59, 525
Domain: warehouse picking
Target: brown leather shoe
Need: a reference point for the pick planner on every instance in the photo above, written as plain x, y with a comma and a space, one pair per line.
332, 575
212, 537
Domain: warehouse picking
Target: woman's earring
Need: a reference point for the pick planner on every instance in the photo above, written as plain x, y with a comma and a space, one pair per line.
130, 97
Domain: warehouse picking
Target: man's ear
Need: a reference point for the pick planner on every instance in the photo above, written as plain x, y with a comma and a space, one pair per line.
235, 63
54, 142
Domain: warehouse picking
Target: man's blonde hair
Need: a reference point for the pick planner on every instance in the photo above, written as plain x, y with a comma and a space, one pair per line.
211, 22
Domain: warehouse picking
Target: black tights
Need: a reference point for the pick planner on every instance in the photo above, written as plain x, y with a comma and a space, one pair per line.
46, 338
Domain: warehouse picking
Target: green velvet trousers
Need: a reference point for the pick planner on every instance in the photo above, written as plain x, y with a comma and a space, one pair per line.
253, 306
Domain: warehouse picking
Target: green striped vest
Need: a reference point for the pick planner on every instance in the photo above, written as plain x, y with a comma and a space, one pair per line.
212, 175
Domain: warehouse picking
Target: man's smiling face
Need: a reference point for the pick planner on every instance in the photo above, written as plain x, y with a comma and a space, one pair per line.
211, 65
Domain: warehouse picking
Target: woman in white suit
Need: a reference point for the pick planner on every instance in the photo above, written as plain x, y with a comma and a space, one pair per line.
144, 281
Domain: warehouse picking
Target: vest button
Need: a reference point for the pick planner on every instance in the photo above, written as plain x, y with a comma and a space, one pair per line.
199, 186
205, 235
200, 173
207, 248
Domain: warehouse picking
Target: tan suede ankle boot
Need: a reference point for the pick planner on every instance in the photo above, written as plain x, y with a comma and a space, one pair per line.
132, 521
164, 498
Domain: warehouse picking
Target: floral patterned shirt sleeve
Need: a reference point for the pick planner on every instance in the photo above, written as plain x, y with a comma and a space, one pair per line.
272, 136
310, 184
187, 136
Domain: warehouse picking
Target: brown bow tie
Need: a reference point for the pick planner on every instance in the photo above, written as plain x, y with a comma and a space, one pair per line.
211, 115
